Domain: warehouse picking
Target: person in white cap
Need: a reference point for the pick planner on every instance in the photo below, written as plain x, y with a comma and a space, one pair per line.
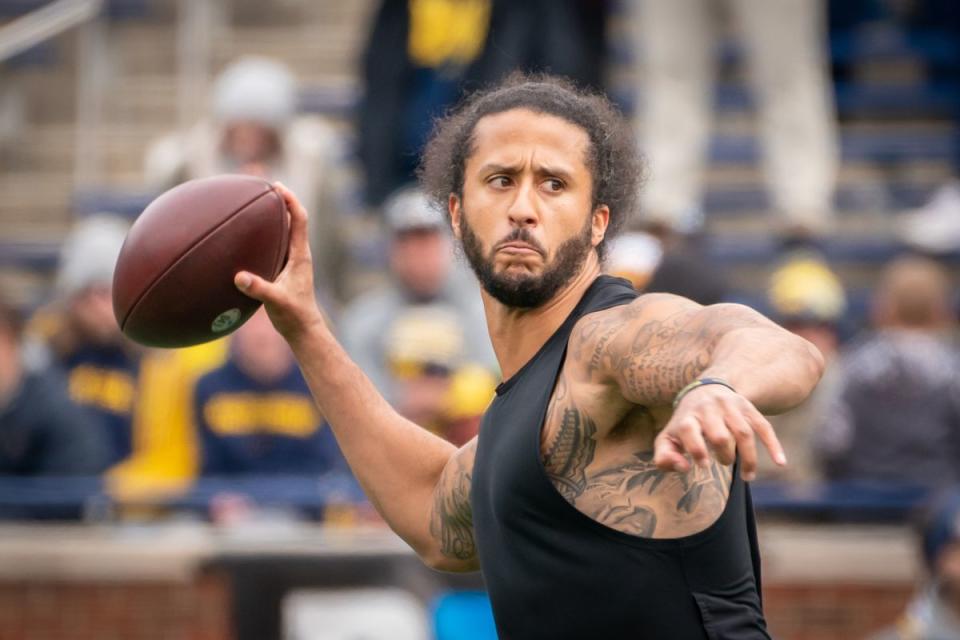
78, 331
253, 127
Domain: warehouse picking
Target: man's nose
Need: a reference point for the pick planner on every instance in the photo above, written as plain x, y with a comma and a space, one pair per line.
523, 210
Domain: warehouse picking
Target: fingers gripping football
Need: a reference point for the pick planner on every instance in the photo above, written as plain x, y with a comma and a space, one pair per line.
290, 299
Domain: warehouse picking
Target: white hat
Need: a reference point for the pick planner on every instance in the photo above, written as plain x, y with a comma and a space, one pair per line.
89, 253
409, 208
634, 256
257, 90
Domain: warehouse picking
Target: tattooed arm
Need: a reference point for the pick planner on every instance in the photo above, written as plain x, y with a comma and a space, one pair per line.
451, 520
655, 346
417, 481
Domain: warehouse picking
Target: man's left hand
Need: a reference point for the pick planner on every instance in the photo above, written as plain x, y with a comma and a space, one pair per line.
714, 419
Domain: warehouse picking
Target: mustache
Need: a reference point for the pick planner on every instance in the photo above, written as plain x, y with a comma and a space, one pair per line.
520, 235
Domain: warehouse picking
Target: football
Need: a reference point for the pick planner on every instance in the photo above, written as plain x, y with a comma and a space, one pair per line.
173, 283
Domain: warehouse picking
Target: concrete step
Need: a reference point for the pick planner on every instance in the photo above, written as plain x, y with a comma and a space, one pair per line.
147, 99
144, 48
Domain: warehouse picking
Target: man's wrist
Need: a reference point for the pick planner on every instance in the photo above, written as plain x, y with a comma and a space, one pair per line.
698, 383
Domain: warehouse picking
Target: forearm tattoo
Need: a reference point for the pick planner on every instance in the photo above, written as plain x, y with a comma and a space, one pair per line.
652, 356
451, 519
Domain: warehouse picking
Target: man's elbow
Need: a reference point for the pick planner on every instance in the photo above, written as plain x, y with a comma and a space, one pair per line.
440, 562
815, 362
808, 369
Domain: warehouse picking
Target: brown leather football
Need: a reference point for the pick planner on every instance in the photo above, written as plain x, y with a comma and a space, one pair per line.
173, 284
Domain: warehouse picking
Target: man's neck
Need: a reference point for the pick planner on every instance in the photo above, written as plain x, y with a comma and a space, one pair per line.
517, 334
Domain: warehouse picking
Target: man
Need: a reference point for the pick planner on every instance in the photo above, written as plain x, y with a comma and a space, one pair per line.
934, 611
78, 331
594, 508
437, 387
807, 298
254, 414
252, 127
901, 373
42, 432
422, 273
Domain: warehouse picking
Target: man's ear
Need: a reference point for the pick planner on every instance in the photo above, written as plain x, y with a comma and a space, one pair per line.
453, 206
600, 220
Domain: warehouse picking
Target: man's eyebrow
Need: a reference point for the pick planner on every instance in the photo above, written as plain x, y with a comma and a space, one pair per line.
543, 170
493, 167
558, 172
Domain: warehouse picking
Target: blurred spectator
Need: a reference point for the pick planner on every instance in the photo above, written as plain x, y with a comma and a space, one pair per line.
785, 42
253, 128
42, 432
808, 299
685, 271
422, 53
935, 226
634, 256
166, 457
655, 266
896, 414
255, 414
934, 612
78, 331
423, 272
435, 387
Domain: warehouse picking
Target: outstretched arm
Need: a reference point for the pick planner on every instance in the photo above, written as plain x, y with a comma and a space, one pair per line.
417, 481
654, 347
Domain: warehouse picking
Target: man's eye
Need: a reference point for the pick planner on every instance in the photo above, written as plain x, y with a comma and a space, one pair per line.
500, 181
553, 184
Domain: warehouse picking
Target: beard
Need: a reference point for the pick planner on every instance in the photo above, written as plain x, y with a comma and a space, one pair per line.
526, 290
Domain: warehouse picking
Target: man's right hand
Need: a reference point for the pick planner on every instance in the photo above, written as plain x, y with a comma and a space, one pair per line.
290, 299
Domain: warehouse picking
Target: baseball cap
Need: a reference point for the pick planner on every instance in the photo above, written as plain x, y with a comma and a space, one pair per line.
89, 253
805, 289
408, 209
424, 336
634, 256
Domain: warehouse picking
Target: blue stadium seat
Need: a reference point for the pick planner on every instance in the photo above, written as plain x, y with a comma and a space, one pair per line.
33, 256
107, 200
765, 250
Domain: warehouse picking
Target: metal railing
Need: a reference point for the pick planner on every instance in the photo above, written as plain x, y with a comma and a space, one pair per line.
197, 22
47, 22
44, 23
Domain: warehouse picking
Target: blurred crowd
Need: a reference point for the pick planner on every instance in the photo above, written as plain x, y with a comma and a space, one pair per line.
78, 399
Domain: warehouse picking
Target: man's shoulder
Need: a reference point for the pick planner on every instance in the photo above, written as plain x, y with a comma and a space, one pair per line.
643, 308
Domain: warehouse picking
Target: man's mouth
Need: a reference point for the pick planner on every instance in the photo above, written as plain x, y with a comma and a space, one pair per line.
519, 248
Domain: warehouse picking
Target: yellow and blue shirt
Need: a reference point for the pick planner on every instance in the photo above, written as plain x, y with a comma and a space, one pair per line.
104, 380
246, 426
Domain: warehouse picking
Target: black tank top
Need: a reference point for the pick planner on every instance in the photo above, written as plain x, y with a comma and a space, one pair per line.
554, 573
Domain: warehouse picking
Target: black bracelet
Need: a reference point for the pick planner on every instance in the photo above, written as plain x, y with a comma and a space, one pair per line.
701, 382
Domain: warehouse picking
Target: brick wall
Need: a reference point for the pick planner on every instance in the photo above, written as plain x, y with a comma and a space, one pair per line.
832, 611
131, 610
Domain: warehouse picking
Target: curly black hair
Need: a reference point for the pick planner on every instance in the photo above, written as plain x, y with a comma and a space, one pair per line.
613, 159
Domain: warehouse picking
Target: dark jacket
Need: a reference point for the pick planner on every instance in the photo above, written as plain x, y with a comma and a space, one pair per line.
42, 432
563, 37
896, 414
